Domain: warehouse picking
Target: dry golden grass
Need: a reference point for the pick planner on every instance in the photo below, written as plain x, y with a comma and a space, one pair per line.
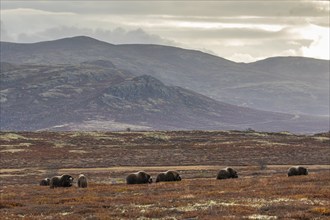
262, 191
277, 196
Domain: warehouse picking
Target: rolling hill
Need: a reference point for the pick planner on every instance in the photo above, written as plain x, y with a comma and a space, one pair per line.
96, 95
295, 85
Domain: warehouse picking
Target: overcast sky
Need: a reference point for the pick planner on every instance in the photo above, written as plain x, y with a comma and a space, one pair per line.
242, 31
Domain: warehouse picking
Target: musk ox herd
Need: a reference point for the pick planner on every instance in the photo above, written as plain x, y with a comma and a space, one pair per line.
142, 177
64, 180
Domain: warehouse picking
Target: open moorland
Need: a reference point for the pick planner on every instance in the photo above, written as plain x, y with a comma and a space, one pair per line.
262, 191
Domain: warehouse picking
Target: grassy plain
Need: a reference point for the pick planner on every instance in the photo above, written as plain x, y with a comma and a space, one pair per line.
262, 191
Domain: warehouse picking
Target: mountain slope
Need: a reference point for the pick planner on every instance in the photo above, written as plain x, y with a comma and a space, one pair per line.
96, 95
285, 84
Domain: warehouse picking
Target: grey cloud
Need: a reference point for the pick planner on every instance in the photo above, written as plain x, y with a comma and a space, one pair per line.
201, 8
263, 48
322, 22
101, 19
121, 36
231, 33
309, 9
4, 36
116, 36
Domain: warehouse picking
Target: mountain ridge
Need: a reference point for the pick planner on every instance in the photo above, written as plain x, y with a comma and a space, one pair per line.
87, 39
272, 84
89, 96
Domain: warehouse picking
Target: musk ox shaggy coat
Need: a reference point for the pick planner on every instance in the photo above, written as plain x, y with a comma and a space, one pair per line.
227, 173
82, 181
138, 178
61, 181
167, 176
45, 182
297, 170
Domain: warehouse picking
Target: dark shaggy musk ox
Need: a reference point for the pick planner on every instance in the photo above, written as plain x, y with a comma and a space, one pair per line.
167, 176
82, 181
138, 178
297, 170
61, 181
45, 182
227, 173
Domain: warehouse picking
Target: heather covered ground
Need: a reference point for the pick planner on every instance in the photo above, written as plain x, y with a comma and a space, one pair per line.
262, 191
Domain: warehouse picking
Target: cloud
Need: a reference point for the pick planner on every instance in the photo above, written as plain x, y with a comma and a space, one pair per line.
319, 48
4, 36
116, 36
244, 30
230, 33
185, 8
242, 57
122, 36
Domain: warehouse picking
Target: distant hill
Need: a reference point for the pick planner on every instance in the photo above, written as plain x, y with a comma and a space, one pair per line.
96, 95
294, 85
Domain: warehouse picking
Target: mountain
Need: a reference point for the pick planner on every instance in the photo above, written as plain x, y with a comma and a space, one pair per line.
96, 95
293, 85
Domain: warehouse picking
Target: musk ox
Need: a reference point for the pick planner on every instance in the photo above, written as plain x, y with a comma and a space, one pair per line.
82, 181
45, 182
61, 181
297, 170
138, 178
167, 176
227, 173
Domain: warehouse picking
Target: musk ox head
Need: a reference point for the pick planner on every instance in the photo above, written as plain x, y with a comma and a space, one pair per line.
45, 182
82, 181
227, 173
61, 181
297, 171
232, 172
138, 178
167, 176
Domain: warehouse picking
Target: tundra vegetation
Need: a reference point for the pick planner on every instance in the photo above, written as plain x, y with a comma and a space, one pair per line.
108, 157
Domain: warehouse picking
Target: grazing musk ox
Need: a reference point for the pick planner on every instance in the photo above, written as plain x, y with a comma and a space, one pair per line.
227, 173
167, 176
138, 178
297, 170
61, 181
82, 181
45, 182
